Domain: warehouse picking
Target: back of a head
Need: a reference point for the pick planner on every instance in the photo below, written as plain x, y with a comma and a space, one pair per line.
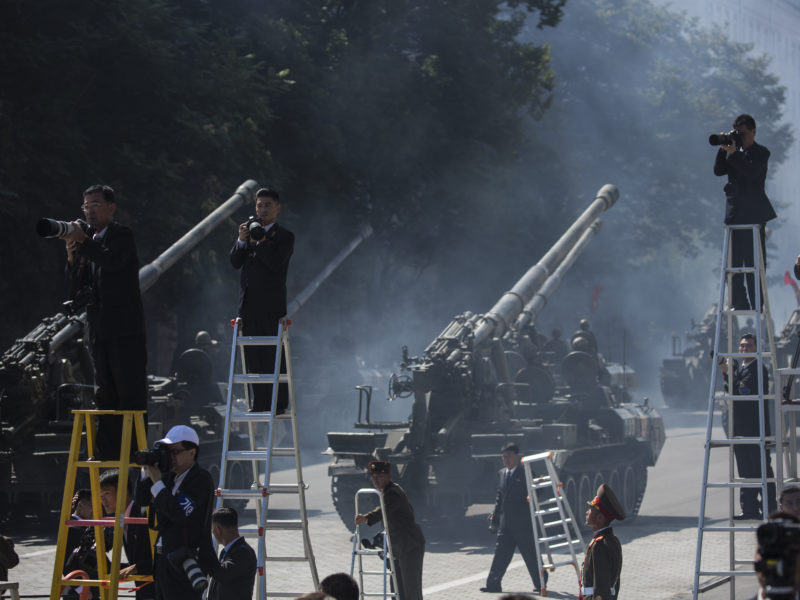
315, 596
341, 586
226, 517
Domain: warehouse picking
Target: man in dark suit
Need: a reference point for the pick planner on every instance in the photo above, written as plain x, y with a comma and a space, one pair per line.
745, 423
107, 264
405, 536
511, 519
135, 536
235, 574
746, 203
603, 563
264, 263
181, 497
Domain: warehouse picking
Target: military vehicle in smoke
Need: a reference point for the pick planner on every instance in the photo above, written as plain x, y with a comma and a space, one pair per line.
48, 372
488, 379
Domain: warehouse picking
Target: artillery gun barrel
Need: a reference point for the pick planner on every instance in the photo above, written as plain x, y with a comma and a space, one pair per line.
497, 321
302, 297
540, 298
150, 273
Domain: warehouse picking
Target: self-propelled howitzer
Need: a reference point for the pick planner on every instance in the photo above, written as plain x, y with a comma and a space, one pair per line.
475, 387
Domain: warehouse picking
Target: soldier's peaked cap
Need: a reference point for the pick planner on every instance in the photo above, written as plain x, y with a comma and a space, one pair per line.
606, 502
380, 466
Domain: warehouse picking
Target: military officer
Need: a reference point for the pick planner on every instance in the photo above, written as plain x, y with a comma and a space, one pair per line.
603, 562
408, 542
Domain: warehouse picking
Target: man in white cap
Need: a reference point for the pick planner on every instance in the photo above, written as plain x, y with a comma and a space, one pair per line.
182, 495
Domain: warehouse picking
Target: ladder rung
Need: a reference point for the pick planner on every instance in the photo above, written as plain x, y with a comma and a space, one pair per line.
740, 269
553, 538
548, 501
285, 558
379, 594
271, 594
241, 494
547, 511
743, 313
736, 484
743, 397
257, 340
542, 485
259, 378
102, 463
563, 563
557, 523
257, 454
256, 417
368, 552
374, 573
562, 544
284, 488
722, 528
765, 354
740, 441
283, 524
724, 573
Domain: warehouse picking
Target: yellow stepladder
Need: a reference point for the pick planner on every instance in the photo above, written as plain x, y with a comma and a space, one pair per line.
108, 580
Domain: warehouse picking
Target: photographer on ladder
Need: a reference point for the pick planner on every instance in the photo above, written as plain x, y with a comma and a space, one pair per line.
746, 203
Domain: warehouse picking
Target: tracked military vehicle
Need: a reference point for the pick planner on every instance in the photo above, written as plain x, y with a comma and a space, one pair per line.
487, 379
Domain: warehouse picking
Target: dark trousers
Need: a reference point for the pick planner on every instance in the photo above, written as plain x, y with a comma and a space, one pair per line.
507, 541
171, 584
120, 374
408, 571
261, 359
748, 463
743, 289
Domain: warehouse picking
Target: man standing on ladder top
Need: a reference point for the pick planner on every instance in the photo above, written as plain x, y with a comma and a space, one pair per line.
262, 251
746, 203
745, 423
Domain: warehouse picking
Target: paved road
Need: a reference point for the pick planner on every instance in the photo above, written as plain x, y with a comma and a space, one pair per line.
658, 547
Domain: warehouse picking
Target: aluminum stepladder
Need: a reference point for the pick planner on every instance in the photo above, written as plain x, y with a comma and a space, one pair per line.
108, 581
262, 450
389, 578
765, 357
551, 515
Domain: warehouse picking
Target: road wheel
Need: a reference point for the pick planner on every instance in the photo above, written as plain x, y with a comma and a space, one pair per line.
585, 492
613, 481
630, 489
599, 479
570, 492
343, 492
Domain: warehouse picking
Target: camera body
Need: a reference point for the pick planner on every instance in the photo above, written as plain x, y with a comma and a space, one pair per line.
734, 136
779, 546
50, 228
256, 229
150, 457
183, 559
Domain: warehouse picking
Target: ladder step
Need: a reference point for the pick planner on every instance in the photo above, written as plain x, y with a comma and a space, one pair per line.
257, 340
566, 521
547, 511
257, 454
722, 528
563, 563
378, 594
259, 378
724, 573
742, 313
736, 484
368, 552
289, 558
284, 524
740, 269
286, 594
242, 494
743, 397
740, 441
375, 573
104, 464
257, 417
553, 538
563, 544
540, 486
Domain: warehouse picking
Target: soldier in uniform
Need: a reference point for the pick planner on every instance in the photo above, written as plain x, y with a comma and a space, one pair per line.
603, 562
405, 536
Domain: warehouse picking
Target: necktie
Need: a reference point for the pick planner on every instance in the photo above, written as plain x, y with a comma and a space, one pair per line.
222, 555
508, 477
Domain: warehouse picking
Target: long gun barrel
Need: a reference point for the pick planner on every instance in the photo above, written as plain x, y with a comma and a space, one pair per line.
540, 298
503, 314
150, 273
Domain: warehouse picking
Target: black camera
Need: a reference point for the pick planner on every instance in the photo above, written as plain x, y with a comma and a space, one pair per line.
50, 228
256, 229
183, 559
734, 136
778, 545
158, 455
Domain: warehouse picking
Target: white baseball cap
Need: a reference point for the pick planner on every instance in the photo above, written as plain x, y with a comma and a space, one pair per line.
180, 433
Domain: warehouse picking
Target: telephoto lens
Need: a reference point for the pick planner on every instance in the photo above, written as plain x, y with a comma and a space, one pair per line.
196, 576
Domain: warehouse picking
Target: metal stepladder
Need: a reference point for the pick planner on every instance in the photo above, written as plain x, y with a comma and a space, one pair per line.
764, 357
108, 580
551, 515
389, 578
262, 449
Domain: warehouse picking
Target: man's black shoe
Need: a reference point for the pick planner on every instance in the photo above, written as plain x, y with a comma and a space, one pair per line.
747, 517
492, 590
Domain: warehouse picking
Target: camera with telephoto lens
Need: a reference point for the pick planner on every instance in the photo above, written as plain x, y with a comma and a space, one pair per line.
50, 228
778, 545
150, 457
734, 136
376, 543
183, 559
256, 229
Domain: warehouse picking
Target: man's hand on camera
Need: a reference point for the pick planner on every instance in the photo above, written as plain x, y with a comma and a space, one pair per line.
72, 246
153, 472
729, 148
244, 232
76, 235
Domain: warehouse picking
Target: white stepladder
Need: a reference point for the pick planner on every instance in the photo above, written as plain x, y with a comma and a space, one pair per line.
765, 357
554, 525
262, 449
388, 577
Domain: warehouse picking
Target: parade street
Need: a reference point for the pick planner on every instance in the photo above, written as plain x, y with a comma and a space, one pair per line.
658, 546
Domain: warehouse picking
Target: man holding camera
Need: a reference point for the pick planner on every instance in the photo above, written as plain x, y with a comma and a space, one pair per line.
181, 495
745, 163
262, 252
107, 265
777, 559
